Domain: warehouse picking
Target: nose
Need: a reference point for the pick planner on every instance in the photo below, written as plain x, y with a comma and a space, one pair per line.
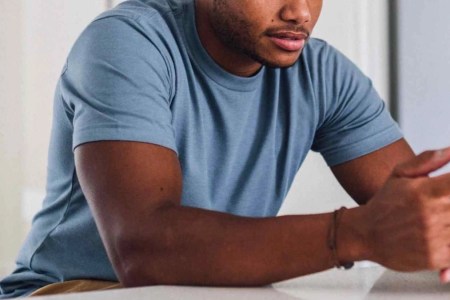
296, 11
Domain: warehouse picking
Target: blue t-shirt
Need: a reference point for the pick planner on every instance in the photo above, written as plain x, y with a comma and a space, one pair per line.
140, 73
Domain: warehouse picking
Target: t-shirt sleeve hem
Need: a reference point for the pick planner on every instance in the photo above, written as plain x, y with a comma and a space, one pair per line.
130, 135
363, 147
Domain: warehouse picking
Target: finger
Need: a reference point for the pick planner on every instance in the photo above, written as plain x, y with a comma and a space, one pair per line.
440, 186
423, 164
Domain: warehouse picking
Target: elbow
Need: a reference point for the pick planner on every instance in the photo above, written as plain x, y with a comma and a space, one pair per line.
142, 261
132, 268
127, 263
130, 274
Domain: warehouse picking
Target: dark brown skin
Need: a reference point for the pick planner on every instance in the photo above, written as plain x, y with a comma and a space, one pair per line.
356, 176
134, 191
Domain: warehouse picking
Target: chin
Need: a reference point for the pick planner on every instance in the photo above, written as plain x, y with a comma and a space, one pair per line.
280, 63
279, 59
275, 59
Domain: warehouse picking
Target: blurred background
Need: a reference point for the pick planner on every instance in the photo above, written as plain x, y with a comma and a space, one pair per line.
401, 44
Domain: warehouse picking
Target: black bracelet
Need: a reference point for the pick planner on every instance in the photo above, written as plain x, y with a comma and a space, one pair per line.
332, 238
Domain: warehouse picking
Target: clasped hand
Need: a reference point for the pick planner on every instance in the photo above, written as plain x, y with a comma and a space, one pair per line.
408, 220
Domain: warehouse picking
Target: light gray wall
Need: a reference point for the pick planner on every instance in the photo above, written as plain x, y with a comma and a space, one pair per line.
11, 125
424, 72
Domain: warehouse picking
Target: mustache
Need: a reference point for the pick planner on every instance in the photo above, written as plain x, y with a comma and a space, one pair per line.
288, 28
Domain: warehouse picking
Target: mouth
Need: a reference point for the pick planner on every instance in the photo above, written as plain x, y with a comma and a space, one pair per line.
289, 41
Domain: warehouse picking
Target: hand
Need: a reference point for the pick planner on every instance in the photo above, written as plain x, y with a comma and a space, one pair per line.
409, 218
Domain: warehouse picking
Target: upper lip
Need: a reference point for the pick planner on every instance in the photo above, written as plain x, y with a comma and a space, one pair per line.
289, 35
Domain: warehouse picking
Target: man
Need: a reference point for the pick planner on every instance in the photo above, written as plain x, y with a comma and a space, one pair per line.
178, 129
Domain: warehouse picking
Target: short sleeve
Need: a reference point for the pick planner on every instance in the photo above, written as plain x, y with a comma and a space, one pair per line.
353, 119
117, 85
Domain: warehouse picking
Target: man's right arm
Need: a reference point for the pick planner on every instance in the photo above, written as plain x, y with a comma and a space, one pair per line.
134, 191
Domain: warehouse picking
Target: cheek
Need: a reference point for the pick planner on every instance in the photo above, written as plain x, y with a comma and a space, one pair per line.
260, 15
317, 10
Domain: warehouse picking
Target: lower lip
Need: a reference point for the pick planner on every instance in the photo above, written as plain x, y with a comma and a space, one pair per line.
289, 45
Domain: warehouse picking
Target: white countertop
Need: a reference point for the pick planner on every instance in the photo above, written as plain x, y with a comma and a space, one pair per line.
358, 283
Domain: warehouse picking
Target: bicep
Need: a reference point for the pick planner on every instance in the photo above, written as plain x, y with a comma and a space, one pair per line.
364, 176
124, 182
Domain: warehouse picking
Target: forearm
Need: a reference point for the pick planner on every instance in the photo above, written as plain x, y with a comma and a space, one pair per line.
199, 247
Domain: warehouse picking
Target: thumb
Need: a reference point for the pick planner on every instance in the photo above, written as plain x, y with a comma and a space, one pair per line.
423, 164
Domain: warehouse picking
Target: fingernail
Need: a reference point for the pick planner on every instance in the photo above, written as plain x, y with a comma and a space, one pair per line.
439, 154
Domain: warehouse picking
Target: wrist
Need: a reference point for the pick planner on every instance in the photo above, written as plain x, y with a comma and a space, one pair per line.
353, 236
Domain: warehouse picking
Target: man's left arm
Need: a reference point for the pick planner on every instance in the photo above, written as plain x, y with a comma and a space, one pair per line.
364, 176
